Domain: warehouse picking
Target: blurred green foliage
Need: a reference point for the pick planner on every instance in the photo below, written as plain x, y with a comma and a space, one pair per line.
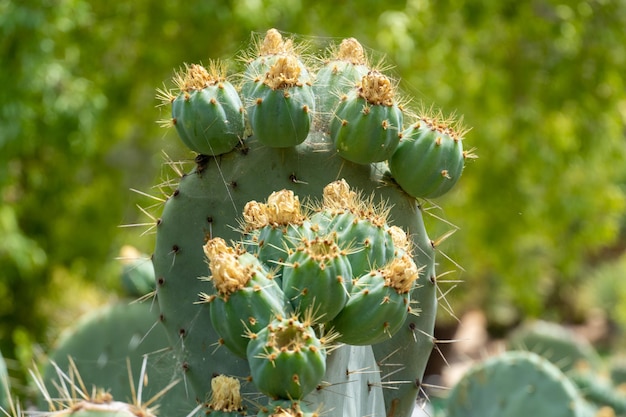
540, 82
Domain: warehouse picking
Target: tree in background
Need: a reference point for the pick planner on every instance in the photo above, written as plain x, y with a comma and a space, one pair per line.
541, 81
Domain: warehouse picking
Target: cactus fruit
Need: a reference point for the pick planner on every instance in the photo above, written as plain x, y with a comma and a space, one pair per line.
341, 73
318, 276
429, 159
287, 359
251, 196
515, 383
282, 105
247, 298
378, 304
367, 124
207, 113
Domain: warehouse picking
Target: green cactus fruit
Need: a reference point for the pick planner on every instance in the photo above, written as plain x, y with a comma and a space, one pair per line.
367, 124
515, 384
281, 107
558, 344
287, 408
264, 55
287, 359
371, 243
137, 272
339, 75
274, 228
359, 225
429, 160
378, 304
318, 276
208, 113
247, 298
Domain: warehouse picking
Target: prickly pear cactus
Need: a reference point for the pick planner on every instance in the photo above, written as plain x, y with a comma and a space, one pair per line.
107, 344
293, 261
515, 384
561, 346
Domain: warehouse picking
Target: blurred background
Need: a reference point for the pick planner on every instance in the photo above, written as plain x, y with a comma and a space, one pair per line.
539, 217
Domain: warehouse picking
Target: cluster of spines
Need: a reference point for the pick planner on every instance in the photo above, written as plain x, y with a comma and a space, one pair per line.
282, 99
317, 293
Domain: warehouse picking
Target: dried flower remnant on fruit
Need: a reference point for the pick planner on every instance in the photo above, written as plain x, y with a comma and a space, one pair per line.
283, 208
401, 273
351, 50
227, 274
255, 215
399, 238
225, 394
338, 196
284, 73
377, 89
274, 44
197, 77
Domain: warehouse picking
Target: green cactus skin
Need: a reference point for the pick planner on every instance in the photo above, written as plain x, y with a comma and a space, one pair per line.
429, 160
374, 312
287, 359
515, 384
351, 386
318, 276
102, 342
367, 129
210, 120
559, 345
282, 106
249, 307
371, 245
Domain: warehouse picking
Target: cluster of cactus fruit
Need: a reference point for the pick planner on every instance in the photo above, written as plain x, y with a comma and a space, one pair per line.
292, 269
302, 220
